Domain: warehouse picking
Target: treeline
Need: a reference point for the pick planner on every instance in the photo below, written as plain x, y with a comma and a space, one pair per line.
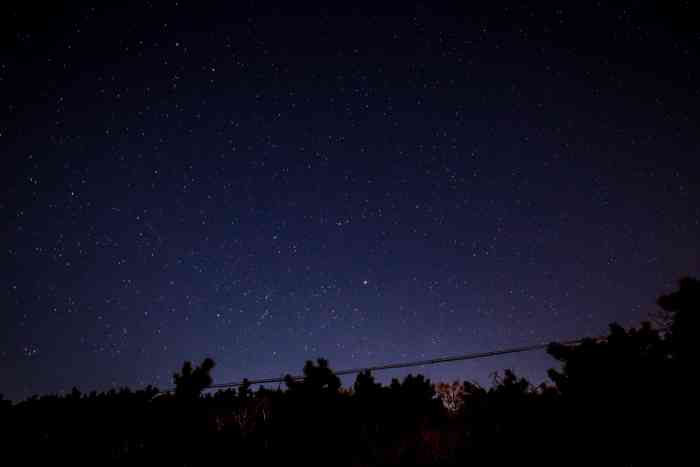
624, 400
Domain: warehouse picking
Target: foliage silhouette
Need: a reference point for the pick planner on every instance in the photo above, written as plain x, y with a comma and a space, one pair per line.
318, 379
190, 383
616, 401
683, 311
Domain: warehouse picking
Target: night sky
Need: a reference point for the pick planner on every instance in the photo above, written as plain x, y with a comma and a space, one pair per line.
373, 184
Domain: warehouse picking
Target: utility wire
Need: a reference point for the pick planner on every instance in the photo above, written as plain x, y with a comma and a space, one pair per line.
391, 366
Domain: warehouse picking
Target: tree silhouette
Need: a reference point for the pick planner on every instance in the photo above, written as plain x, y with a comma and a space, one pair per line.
365, 387
619, 400
312, 407
190, 383
683, 309
622, 389
318, 379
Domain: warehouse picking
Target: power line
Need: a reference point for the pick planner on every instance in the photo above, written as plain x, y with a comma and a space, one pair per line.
391, 366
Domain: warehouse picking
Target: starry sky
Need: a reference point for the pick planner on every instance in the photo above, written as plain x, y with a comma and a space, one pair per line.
370, 184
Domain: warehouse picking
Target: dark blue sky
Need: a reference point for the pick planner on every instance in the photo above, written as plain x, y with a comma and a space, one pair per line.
269, 185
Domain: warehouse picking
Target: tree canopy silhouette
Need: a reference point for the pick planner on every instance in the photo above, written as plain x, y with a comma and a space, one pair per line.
628, 386
190, 383
318, 379
683, 309
612, 401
